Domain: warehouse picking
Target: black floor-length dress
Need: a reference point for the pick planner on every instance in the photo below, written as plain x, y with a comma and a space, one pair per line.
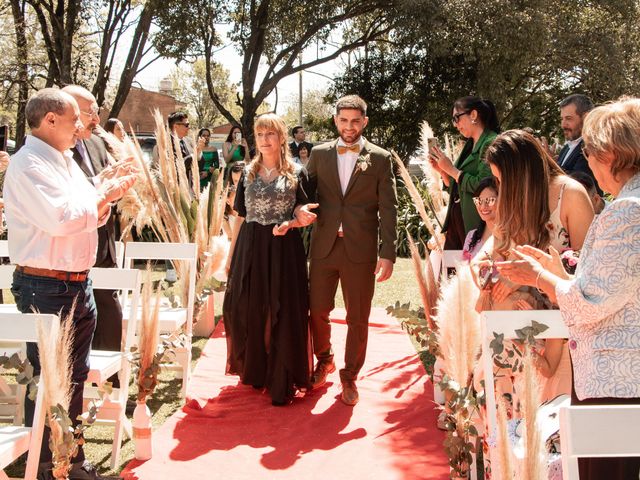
266, 305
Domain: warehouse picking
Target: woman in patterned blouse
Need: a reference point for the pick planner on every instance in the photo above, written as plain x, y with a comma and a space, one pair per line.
600, 304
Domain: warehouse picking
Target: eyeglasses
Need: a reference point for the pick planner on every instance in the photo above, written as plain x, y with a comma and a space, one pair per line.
489, 201
456, 117
586, 151
186, 124
94, 112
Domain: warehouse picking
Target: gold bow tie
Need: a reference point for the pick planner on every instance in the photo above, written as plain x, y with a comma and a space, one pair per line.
342, 149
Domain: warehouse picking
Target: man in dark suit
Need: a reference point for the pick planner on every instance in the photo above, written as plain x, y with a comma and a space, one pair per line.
572, 112
353, 240
299, 136
91, 155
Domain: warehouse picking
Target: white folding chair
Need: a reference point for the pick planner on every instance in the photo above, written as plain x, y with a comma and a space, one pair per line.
17, 440
597, 431
506, 322
104, 364
171, 319
11, 395
4, 249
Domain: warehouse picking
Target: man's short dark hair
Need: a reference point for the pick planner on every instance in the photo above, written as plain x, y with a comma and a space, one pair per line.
176, 117
45, 101
586, 181
351, 102
582, 102
295, 129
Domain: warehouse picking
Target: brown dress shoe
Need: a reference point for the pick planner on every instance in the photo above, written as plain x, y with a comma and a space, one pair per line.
349, 393
323, 369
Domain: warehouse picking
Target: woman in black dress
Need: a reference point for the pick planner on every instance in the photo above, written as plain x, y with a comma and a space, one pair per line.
267, 299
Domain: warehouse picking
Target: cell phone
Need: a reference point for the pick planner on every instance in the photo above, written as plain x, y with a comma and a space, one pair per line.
237, 136
4, 137
432, 142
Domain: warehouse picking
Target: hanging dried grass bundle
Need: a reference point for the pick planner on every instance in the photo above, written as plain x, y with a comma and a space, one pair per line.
433, 180
149, 365
417, 199
428, 289
55, 347
535, 462
458, 325
503, 465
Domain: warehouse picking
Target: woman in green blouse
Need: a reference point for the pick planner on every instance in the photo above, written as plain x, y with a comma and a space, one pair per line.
234, 149
477, 121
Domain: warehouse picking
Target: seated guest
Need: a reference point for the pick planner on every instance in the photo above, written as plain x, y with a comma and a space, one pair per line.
53, 213
590, 186
485, 199
600, 303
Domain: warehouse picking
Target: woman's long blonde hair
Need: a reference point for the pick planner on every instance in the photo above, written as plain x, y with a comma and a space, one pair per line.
526, 171
272, 122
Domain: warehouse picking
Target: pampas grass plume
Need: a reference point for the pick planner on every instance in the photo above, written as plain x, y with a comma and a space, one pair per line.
502, 450
426, 287
535, 461
458, 325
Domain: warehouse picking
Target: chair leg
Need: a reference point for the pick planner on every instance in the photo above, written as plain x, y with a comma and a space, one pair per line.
117, 440
185, 363
21, 391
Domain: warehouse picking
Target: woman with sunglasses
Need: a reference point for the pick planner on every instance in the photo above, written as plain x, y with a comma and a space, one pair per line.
485, 199
477, 121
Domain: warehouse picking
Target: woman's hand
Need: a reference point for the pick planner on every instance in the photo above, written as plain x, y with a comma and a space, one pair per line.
279, 230
500, 291
524, 271
445, 164
550, 261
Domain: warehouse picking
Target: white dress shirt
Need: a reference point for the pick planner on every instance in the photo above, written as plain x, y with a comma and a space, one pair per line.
346, 163
51, 210
572, 144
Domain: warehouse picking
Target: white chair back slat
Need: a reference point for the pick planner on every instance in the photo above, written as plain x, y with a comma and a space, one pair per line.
119, 254
21, 327
160, 251
4, 249
597, 431
6, 276
506, 322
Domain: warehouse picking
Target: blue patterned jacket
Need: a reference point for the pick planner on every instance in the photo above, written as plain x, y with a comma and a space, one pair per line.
601, 305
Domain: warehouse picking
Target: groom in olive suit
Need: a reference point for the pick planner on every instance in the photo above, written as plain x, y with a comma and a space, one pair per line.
353, 239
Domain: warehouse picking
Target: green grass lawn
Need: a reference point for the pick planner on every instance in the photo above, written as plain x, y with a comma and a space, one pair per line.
165, 401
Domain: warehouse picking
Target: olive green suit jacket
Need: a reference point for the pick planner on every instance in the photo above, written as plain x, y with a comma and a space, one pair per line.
367, 210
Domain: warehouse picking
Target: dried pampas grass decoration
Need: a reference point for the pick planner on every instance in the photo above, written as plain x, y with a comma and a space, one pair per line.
55, 347
534, 465
458, 325
502, 451
426, 283
417, 199
433, 180
149, 339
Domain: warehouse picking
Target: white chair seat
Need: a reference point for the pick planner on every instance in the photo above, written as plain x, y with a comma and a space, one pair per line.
170, 319
102, 365
14, 441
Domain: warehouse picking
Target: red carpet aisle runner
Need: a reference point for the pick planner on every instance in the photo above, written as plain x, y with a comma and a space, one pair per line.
231, 431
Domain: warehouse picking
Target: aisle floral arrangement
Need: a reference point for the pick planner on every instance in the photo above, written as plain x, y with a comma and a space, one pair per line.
163, 200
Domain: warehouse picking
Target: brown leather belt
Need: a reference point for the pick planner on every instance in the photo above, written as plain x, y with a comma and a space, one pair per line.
57, 274
340, 234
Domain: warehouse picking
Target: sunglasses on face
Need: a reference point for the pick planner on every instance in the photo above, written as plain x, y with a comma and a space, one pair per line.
456, 117
186, 124
489, 201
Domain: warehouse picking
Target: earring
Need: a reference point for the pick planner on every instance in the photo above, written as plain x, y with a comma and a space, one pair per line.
474, 121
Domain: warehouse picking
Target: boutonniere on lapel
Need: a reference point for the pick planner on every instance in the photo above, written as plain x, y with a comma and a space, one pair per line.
363, 162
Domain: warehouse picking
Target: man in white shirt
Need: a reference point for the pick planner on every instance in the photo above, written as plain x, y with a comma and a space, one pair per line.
52, 217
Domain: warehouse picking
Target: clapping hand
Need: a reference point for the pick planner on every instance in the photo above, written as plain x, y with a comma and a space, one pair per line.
304, 215
113, 189
122, 168
4, 161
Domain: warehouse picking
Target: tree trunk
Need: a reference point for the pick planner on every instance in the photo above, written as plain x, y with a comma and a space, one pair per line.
18, 11
136, 52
